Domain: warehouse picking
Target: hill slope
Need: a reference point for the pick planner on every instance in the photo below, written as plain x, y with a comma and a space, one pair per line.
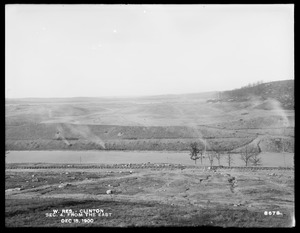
261, 115
281, 91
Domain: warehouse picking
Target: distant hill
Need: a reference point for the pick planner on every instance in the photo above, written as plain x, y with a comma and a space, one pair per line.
282, 91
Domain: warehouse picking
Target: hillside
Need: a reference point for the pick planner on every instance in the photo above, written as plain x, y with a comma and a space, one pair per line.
169, 122
281, 91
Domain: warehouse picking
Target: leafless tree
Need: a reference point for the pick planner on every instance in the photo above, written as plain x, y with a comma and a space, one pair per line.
201, 156
194, 151
248, 153
218, 154
255, 160
211, 157
229, 159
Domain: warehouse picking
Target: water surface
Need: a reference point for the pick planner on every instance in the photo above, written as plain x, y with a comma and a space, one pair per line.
114, 157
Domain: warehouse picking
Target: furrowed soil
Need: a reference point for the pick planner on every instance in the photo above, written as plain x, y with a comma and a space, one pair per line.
150, 197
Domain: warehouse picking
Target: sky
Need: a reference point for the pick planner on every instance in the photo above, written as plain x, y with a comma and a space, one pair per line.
139, 50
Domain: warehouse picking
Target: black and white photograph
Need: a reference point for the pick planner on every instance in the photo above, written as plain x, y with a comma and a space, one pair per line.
149, 115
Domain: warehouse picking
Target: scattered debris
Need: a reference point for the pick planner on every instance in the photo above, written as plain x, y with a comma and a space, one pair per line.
231, 179
109, 192
64, 185
239, 204
14, 189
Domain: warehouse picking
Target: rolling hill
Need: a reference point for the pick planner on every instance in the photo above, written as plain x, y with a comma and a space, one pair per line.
262, 115
281, 91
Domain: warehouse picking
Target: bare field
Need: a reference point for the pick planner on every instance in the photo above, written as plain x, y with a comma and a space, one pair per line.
115, 131
146, 125
152, 197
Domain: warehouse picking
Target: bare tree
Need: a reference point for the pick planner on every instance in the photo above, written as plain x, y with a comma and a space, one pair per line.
211, 157
255, 160
194, 151
201, 156
229, 159
248, 153
218, 154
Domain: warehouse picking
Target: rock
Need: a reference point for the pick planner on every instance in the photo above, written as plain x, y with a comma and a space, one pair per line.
109, 192
67, 173
64, 185
32, 176
14, 189
130, 172
35, 180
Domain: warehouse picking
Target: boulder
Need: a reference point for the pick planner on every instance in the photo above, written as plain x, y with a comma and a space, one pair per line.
108, 191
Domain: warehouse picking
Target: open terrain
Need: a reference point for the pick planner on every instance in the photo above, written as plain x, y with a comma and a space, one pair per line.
161, 127
162, 196
153, 123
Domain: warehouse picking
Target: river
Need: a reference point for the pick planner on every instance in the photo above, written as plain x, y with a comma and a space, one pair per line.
118, 157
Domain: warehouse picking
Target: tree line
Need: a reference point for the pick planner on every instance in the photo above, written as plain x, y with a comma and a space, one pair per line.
249, 155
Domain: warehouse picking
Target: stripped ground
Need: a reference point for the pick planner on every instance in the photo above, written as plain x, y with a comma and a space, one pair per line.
152, 197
